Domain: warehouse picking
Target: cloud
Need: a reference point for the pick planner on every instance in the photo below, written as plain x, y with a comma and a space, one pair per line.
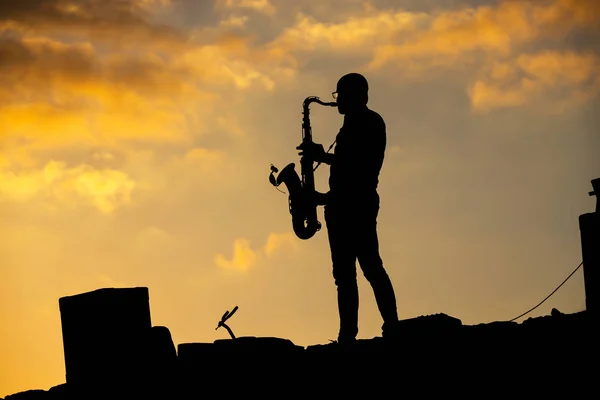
120, 23
416, 45
572, 77
279, 242
56, 183
228, 61
357, 33
263, 6
75, 92
244, 257
78, 92
449, 36
85, 107
513, 46
54, 93
561, 16
234, 22
505, 29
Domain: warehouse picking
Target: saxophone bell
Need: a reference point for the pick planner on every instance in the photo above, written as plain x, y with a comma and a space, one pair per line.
272, 178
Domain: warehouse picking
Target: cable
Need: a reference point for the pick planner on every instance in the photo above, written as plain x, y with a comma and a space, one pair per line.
327, 152
547, 297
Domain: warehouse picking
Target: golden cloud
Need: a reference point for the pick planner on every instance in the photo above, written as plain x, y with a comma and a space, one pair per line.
109, 180
451, 35
409, 40
354, 34
263, 6
87, 93
56, 183
57, 94
561, 16
280, 241
502, 41
572, 77
244, 257
120, 23
226, 62
413, 45
54, 93
234, 22
79, 93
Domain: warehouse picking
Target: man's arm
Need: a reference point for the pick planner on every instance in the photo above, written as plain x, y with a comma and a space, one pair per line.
328, 158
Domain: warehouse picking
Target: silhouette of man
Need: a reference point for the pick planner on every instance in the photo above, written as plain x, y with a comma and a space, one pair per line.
352, 205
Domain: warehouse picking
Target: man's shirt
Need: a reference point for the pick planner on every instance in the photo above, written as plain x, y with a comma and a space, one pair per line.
358, 156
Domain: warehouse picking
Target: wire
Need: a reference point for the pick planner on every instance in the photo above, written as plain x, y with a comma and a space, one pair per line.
327, 152
547, 297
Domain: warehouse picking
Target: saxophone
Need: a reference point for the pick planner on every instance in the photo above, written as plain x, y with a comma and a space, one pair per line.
301, 192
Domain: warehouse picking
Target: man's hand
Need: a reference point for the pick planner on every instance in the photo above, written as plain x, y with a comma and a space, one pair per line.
312, 151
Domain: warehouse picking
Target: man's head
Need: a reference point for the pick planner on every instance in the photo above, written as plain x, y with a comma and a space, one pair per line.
352, 93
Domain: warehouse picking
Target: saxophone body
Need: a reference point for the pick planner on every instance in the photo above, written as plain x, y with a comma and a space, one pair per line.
301, 190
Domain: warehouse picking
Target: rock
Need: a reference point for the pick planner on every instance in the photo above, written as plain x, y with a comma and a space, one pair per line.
433, 345
254, 344
104, 333
556, 313
35, 394
59, 392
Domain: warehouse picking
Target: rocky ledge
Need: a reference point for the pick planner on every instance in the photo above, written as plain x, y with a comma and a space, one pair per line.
433, 347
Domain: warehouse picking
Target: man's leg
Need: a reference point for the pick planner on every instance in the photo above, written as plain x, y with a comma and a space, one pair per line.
367, 247
343, 260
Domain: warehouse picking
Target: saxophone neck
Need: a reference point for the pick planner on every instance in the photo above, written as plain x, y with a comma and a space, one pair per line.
307, 134
315, 99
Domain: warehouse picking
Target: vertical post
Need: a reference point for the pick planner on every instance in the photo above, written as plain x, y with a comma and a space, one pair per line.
589, 226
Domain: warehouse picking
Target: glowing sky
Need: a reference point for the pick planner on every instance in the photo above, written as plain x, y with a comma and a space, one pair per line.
136, 138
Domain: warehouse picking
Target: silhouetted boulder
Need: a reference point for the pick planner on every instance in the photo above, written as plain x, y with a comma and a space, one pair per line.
164, 352
104, 335
59, 391
35, 394
244, 366
375, 345
160, 372
257, 344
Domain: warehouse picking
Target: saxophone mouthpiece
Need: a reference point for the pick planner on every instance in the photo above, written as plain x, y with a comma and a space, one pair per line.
330, 104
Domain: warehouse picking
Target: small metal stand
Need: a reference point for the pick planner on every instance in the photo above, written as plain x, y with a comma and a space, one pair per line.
224, 318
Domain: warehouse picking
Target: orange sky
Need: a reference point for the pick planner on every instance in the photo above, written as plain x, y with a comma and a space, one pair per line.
136, 138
